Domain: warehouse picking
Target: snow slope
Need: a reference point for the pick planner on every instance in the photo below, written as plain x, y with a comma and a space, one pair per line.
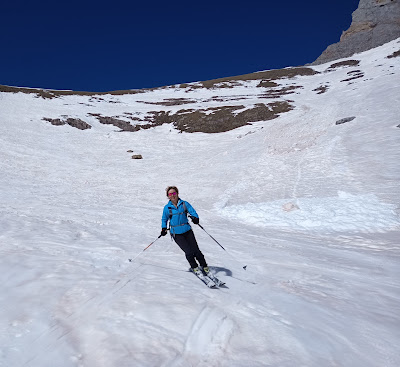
310, 206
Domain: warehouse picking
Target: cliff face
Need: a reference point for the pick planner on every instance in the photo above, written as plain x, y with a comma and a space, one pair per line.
374, 23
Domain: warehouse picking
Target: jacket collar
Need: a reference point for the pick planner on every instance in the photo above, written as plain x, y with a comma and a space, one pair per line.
172, 205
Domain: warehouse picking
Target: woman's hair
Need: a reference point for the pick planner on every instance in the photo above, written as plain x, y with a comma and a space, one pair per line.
171, 187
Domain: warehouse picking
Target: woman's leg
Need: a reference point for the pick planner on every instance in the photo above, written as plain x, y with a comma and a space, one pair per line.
195, 249
188, 244
183, 243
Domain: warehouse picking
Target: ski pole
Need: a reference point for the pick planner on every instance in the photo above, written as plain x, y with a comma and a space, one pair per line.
131, 260
211, 236
244, 267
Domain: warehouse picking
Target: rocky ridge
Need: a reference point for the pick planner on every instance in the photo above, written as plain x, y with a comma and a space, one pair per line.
374, 23
212, 106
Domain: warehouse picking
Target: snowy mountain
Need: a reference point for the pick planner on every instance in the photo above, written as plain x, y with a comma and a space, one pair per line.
294, 171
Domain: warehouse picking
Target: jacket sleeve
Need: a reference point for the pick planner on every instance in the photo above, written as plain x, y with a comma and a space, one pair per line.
191, 210
165, 217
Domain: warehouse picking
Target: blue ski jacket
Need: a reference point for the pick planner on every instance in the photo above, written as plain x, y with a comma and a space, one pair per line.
177, 217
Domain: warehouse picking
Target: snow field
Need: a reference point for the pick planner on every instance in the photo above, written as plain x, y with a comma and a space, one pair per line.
321, 287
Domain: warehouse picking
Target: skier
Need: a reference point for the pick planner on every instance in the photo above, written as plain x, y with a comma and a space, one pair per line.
176, 212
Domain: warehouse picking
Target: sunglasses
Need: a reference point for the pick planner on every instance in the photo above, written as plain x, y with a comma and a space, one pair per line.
172, 194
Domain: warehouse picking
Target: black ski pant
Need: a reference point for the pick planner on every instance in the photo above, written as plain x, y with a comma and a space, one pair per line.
188, 244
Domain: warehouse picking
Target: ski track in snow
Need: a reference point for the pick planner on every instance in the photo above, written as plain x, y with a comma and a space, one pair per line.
322, 285
207, 339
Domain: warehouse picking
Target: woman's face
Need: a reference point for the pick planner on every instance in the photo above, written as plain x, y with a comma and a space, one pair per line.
173, 196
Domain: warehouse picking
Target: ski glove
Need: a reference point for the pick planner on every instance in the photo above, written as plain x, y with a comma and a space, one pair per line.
195, 220
163, 231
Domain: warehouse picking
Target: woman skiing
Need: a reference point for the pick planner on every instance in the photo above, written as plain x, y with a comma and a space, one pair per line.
176, 212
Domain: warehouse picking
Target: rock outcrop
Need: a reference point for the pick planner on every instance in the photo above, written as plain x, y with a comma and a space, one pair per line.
374, 23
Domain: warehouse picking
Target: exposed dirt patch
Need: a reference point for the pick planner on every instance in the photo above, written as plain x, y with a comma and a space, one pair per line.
394, 54
344, 63
55, 122
122, 124
77, 123
216, 119
344, 120
352, 78
227, 84
171, 102
227, 99
268, 83
274, 93
131, 117
321, 89
354, 74
211, 120
227, 118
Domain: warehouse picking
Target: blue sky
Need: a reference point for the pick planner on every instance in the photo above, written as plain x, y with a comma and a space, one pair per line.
103, 46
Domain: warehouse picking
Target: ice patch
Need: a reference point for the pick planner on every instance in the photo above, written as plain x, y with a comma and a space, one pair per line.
345, 212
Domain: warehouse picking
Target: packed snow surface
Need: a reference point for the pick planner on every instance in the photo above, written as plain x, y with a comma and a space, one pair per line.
310, 206
344, 212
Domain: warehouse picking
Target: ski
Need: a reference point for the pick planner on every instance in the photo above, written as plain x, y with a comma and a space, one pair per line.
218, 283
205, 279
